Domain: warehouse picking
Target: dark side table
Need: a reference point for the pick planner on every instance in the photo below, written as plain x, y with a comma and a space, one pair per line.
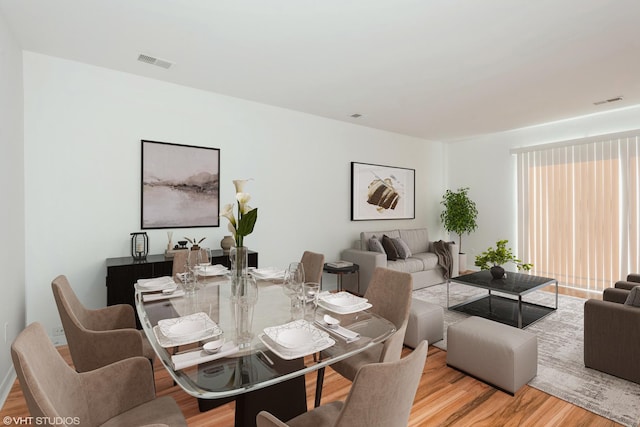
352, 269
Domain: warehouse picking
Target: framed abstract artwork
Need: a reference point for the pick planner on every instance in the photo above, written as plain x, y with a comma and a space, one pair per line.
180, 186
382, 192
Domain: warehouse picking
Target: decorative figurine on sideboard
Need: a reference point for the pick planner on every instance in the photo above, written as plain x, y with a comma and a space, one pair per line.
195, 245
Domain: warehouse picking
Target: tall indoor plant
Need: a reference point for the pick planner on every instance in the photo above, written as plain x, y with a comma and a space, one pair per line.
459, 216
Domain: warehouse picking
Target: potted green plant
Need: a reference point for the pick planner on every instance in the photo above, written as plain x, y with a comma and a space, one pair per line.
459, 216
494, 258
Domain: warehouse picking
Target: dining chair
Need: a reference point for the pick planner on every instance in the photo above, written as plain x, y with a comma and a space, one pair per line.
180, 259
98, 337
382, 394
389, 293
313, 264
119, 394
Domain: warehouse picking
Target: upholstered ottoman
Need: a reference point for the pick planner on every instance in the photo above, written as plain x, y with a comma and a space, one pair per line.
426, 322
501, 355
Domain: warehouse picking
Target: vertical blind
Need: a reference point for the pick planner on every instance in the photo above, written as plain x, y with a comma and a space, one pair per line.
578, 209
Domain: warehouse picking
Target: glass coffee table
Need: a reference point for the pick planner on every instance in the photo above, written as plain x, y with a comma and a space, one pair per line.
504, 309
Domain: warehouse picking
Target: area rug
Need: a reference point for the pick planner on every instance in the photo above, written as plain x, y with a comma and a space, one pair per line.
561, 370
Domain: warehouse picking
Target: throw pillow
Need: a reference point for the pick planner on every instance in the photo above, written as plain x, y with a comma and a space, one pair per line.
401, 247
634, 297
375, 245
389, 248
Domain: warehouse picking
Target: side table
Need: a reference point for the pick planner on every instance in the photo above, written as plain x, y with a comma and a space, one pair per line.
352, 269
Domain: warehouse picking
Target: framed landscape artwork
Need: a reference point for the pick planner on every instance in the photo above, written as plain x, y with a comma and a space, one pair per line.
180, 186
382, 192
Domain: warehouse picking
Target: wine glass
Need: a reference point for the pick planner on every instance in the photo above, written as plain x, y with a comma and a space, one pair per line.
204, 257
292, 284
191, 266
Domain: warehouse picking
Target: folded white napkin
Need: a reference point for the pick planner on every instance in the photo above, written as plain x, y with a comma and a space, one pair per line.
267, 273
161, 296
214, 268
157, 282
184, 360
346, 334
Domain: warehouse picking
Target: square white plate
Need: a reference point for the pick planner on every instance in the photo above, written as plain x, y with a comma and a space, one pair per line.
342, 300
295, 339
185, 329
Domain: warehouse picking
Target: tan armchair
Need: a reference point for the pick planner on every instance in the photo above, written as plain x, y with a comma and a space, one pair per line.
98, 337
121, 394
612, 335
382, 394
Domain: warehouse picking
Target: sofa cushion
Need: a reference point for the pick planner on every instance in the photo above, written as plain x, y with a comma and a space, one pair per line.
409, 265
374, 244
634, 297
389, 248
417, 239
428, 259
403, 250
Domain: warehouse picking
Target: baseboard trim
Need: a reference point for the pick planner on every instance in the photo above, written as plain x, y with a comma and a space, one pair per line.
7, 383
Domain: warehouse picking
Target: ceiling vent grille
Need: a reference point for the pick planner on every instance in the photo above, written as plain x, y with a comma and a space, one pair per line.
147, 59
606, 101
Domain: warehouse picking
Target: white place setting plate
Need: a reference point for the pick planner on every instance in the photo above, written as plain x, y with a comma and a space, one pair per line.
267, 273
213, 270
343, 302
295, 339
345, 310
185, 330
155, 284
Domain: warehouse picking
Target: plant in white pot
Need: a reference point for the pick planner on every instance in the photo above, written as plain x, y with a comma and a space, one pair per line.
459, 216
494, 258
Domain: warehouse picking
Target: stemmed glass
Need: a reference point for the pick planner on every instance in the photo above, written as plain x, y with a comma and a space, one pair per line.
204, 257
191, 268
292, 285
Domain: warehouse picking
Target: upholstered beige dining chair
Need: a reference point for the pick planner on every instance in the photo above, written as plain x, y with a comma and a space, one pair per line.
313, 263
120, 394
389, 293
180, 259
98, 337
382, 394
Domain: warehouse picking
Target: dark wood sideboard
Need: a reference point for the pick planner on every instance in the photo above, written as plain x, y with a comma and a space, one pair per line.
123, 272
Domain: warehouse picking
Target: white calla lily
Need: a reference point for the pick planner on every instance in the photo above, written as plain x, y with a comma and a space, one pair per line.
247, 216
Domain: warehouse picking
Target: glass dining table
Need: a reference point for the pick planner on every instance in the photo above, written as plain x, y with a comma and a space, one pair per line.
261, 375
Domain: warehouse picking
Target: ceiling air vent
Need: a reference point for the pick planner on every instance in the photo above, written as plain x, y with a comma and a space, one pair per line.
154, 61
606, 101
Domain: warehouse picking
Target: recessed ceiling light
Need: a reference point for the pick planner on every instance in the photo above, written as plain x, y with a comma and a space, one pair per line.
606, 101
356, 115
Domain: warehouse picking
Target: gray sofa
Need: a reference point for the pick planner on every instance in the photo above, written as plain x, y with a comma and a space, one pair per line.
422, 264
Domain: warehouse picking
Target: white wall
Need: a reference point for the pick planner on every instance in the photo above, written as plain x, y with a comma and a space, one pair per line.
12, 315
486, 166
83, 127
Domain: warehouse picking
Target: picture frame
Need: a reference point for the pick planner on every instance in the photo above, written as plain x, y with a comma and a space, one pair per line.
382, 192
179, 186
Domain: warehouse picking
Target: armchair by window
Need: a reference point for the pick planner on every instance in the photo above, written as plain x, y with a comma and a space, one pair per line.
612, 335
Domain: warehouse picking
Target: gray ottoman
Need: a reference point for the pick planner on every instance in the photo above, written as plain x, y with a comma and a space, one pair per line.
426, 322
501, 355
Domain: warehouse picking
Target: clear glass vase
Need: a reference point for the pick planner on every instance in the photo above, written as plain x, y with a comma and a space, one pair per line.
244, 296
239, 261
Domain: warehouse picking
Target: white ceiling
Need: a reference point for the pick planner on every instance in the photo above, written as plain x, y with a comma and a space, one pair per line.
436, 69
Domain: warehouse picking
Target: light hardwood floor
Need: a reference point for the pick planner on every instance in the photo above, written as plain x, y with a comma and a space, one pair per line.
445, 397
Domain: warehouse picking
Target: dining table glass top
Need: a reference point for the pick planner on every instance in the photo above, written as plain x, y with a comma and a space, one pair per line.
261, 363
